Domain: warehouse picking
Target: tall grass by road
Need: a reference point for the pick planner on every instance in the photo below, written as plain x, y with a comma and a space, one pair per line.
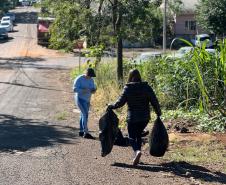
195, 83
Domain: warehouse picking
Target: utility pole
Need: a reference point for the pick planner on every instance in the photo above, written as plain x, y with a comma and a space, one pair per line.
164, 26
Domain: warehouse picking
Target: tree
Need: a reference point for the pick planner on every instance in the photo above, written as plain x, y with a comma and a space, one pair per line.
5, 5
211, 15
107, 22
70, 21
134, 20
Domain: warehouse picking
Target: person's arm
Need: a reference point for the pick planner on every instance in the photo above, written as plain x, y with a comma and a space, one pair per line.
93, 88
154, 102
77, 86
121, 101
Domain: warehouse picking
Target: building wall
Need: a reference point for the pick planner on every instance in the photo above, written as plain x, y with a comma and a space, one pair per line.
180, 25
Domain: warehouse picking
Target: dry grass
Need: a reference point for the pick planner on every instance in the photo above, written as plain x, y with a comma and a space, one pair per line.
107, 95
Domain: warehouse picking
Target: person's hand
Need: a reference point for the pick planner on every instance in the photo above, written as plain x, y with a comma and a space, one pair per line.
159, 113
93, 91
159, 116
84, 91
110, 107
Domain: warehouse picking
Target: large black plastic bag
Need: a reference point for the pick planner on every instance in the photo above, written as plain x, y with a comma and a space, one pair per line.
120, 140
158, 139
108, 126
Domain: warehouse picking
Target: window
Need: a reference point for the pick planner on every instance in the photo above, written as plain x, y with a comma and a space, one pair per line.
190, 25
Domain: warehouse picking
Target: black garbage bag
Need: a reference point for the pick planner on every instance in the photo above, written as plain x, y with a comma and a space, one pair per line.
108, 126
120, 140
158, 139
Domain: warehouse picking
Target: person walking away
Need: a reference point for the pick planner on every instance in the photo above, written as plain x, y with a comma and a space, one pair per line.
138, 96
84, 87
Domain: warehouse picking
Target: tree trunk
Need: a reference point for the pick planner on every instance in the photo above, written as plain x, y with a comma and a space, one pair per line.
117, 21
120, 61
99, 21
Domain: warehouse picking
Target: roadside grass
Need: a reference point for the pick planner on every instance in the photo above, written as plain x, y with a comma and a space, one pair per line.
201, 121
108, 91
196, 152
107, 95
205, 153
61, 116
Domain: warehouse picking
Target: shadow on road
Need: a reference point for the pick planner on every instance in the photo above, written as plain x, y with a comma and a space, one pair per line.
2, 41
24, 59
18, 134
26, 17
14, 31
182, 169
28, 62
34, 87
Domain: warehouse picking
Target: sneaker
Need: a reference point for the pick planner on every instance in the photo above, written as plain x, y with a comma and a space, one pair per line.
88, 136
81, 134
137, 157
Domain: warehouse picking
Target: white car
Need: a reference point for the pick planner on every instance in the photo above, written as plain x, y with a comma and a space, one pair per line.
188, 51
182, 52
6, 18
11, 15
203, 38
7, 25
3, 34
25, 3
146, 56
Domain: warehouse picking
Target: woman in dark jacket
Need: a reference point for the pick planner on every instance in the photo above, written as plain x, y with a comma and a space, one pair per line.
138, 95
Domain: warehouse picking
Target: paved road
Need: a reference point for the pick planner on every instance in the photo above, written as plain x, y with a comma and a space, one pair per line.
32, 137
39, 143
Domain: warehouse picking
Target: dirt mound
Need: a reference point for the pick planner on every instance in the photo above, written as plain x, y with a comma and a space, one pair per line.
181, 126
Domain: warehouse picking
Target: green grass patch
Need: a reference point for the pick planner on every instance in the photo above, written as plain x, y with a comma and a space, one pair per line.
202, 121
61, 116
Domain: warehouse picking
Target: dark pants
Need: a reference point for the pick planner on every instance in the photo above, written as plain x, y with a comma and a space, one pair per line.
135, 130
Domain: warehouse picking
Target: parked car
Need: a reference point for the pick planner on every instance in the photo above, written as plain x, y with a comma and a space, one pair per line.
25, 3
3, 33
11, 15
182, 52
147, 56
6, 18
188, 51
33, 2
43, 33
213, 52
203, 38
7, 25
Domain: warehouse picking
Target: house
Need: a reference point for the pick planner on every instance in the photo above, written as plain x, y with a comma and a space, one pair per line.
185, 22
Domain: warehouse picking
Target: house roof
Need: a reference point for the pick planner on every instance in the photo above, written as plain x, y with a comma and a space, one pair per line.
189, 6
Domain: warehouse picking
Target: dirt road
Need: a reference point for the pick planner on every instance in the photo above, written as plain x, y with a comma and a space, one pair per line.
39, 143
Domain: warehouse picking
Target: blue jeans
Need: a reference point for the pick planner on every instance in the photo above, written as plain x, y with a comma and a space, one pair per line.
84, 108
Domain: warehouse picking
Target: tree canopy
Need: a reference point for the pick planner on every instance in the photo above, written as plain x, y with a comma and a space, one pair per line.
108, 22
211, 15
140, 20
7, 4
